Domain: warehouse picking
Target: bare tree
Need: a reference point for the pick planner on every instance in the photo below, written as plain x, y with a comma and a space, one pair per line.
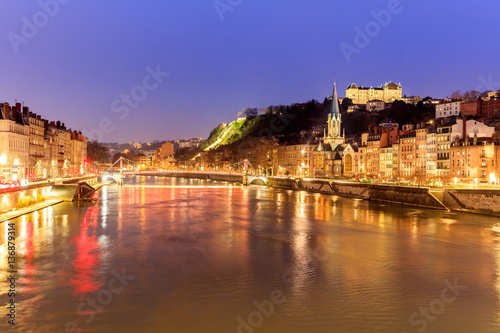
248, 112
471, 95
456, 94
474, 94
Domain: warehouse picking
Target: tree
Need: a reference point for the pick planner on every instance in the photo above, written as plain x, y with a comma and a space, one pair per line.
474, 94
184, 154
129, 155
355, 123
471, 95
456, 94
97, 152
249, 112
346, 102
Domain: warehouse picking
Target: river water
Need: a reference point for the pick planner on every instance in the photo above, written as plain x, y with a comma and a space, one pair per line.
176, 255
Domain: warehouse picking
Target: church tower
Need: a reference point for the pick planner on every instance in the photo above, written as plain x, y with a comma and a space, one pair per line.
335, 136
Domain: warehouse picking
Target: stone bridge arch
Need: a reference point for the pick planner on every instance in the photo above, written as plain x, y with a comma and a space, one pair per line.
256, 180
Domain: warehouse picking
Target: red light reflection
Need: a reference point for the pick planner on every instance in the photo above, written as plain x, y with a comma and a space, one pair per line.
85, 279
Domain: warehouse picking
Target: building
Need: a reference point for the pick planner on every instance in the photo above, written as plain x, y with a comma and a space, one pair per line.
163, 155
388, 93
386, 160
471, 108
141, 159
491, 107
407, 150
293, 159
420, 163
78, 160
32, 148
361, 162
431, 147
408, 128
411, 100
492, 94
37, 166
167, 150
388, 122
14, 143
474, 160
333, 157
373, 144
64, 166
448, 109
356, 107
443, 144
190, 143
378, 138
339, 162
396, 166
375, 105
334, 136
51, 149
447, 133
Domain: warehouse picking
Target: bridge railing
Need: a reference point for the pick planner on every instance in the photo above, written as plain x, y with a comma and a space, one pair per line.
153, 172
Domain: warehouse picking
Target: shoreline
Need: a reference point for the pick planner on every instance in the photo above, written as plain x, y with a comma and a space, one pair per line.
18, 212
473, 201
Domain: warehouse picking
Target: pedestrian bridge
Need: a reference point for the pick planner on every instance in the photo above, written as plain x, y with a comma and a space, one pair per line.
215, 175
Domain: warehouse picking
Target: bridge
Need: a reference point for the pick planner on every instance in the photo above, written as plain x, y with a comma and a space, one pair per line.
117, 176
257, 180
214, 175
117, 173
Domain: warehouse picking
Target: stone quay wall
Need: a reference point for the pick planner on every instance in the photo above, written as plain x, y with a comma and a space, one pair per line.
395, 194
481, 200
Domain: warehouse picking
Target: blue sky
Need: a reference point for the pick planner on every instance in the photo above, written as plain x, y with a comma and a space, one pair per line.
87, 54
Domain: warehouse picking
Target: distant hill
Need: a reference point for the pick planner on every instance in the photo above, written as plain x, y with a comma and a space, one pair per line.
296, 122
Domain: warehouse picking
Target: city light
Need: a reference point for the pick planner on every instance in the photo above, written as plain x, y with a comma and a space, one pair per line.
250, 166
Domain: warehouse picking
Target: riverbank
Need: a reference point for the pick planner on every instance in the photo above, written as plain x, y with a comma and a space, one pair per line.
17, 212
13, 212
477, 201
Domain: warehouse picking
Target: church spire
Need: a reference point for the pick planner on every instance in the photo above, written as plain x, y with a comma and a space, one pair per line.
335, 136
335, 104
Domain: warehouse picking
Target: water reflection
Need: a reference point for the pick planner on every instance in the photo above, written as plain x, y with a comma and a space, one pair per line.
86, 278
202, 252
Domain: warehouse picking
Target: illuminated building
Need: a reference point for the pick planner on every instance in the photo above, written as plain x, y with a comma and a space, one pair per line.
388, 93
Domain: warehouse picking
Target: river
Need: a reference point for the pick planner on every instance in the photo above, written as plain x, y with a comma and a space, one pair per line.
179, 255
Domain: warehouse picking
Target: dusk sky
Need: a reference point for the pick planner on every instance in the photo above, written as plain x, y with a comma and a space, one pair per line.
85, 55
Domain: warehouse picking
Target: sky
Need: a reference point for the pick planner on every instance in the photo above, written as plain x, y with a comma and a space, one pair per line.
123, 70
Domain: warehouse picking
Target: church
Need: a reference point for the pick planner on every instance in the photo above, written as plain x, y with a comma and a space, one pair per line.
333, 157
